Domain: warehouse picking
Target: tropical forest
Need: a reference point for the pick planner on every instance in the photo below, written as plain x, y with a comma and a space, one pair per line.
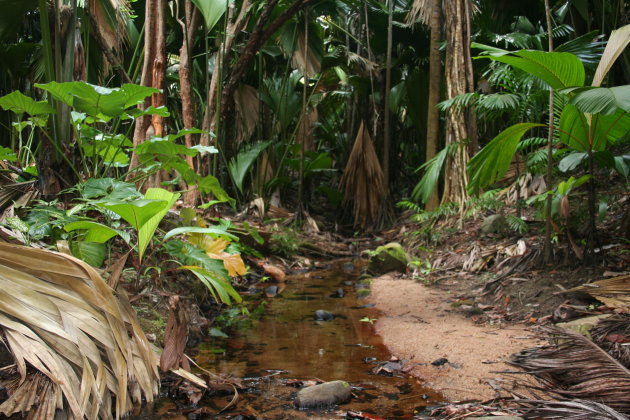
326, 209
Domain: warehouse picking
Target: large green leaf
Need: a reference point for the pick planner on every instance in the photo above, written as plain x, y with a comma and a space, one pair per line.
494, 159
558, 69
217, 231
136, 212
108, 189
98, 101
220, 288
147, 229
95, 232
211, 10
574, 128
92, 253
432, 170
19, 103
240, 164
599, 100
210, 184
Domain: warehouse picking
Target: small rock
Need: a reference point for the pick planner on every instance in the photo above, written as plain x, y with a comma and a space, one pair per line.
348, 283
387, 258
439, 362
322, 315
271, 291
151, 337
582, 325
347, 267
340, 293
323, 395
494, 223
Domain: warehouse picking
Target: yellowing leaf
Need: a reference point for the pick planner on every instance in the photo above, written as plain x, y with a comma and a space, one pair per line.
233, 263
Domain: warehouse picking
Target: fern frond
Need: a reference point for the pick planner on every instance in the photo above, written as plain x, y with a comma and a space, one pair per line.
516, 224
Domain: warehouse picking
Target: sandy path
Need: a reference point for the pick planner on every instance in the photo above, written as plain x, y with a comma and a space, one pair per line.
419, 326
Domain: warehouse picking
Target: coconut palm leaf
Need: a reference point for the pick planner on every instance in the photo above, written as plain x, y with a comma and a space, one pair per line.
63, 320
576, 368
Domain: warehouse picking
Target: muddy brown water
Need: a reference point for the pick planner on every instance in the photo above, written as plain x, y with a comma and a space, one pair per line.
287, 345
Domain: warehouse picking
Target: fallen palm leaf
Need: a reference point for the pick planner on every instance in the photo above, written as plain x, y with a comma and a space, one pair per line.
576, 368
613, 292
576, 409
62, 319
613, 335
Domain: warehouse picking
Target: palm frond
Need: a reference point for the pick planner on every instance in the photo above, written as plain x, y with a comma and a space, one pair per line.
613, 292
247, 105
459, 101
576, 409
420, 10
612, 334
362, 182
576, 368
63, 320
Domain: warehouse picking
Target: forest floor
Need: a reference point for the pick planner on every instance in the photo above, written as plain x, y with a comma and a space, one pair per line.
478, 298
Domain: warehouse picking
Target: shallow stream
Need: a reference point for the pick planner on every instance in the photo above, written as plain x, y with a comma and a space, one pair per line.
287, 345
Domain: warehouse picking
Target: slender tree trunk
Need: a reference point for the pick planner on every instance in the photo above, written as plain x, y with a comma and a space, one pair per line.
233, 29
388, 84
435, 79
547, 251
142, 127
459, 123
191, 14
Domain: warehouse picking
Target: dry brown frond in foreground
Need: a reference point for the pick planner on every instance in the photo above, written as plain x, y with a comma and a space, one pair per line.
60, 318
576, 368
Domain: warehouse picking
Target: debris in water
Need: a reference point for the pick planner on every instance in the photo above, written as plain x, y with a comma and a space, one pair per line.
439, 362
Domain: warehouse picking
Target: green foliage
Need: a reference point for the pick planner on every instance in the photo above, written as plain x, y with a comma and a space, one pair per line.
210, 271
211, 10
433, 168
516, 224
558, 69
285, 242
494, 159
240, 164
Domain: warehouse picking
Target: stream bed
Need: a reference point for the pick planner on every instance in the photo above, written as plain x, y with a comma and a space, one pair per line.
286, 346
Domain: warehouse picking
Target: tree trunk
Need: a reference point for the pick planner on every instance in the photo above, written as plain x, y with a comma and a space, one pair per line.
547, 251
191, 13
233, 29
460, 124
143, 123
388, 84
435, 79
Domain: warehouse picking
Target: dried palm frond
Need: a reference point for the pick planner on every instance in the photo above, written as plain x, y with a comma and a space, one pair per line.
305, 59
576, 368
420, 10
613, 335
576, 409
613, 292
247, 107
362, 181
59, 317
